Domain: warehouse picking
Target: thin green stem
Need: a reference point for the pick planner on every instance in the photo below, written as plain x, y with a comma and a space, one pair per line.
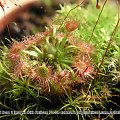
103, 58
69, 13
97, 20
109, 43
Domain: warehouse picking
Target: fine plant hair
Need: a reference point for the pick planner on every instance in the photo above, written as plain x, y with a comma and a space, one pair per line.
112, 35
78, 5
58, 70
94, 82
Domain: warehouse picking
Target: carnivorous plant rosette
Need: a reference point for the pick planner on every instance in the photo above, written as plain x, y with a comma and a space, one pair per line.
52, 62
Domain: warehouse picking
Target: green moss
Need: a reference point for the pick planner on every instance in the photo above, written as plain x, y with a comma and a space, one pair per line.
52, 64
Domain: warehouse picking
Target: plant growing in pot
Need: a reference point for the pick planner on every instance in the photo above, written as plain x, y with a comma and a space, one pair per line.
65, 68
10, 9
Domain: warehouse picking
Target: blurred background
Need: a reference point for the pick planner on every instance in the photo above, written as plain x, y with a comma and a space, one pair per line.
35, 17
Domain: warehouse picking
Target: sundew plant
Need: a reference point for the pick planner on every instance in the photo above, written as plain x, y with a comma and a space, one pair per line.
72, 66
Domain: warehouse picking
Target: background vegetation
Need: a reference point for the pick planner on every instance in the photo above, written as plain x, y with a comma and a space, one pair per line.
71, 89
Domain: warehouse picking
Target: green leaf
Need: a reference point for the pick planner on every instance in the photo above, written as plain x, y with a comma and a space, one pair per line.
37, 49
31, 53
